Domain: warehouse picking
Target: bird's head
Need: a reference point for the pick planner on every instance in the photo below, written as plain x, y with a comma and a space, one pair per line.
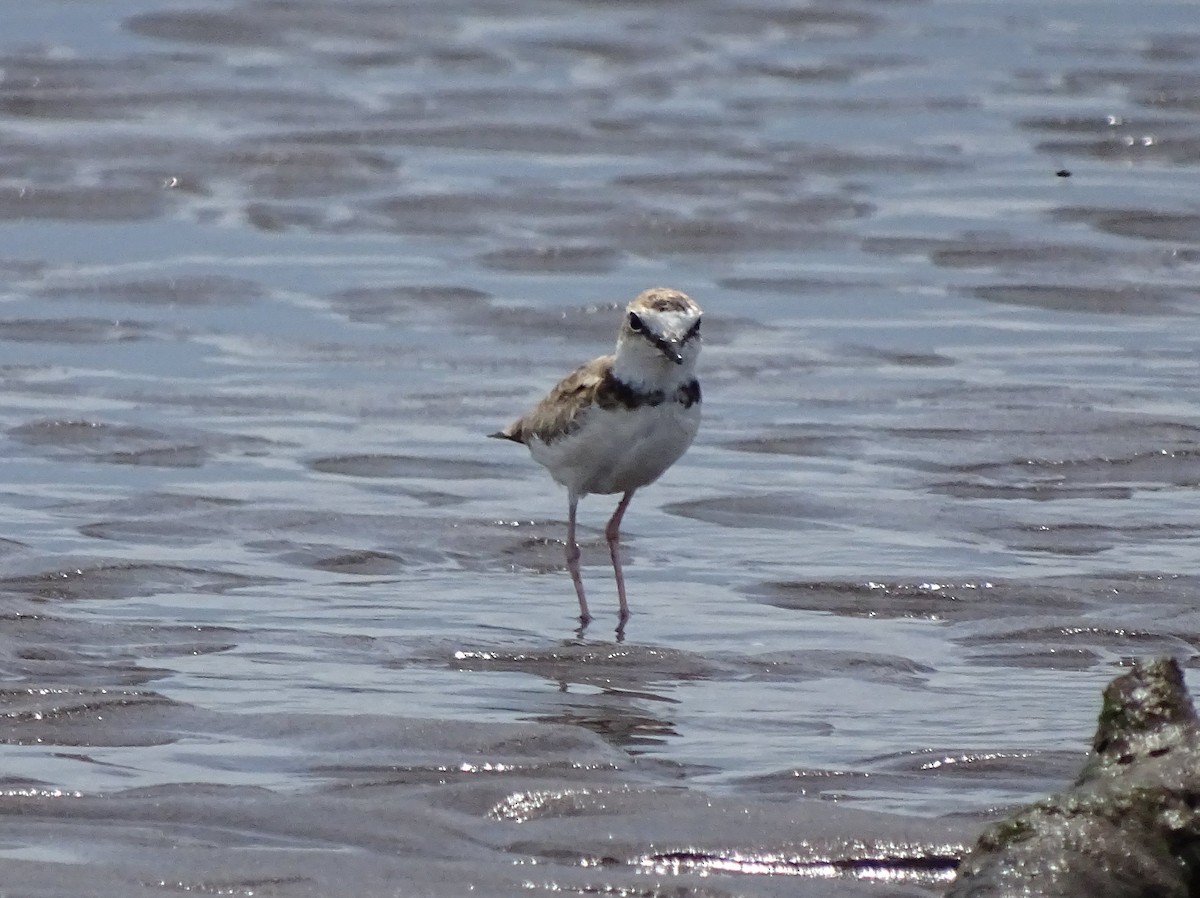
660, 332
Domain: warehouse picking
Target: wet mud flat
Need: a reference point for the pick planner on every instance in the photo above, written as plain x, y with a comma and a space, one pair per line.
431, 806
277, 619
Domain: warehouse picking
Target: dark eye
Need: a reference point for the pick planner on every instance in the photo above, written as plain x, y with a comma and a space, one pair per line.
635, 323
694, 331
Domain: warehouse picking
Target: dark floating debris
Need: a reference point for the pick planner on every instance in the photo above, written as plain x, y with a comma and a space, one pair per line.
1130, 826
1063, 173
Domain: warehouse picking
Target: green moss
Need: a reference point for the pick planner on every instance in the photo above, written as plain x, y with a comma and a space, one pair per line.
1007, 832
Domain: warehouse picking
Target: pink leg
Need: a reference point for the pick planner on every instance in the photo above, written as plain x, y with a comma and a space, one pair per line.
573, 558
613, 534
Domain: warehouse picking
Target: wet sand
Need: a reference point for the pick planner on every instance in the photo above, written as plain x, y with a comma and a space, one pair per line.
279, 620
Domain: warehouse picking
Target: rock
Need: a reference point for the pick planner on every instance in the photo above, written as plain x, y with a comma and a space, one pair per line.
1130, 825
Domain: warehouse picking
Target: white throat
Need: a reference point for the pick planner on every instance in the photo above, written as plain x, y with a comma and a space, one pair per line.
640, 364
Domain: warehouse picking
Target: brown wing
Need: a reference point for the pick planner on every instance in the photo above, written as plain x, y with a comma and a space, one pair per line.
557, 414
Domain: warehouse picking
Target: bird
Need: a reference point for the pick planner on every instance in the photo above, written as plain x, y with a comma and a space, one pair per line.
618, 422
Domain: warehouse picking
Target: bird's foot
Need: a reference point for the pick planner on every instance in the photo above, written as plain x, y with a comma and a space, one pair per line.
584, 620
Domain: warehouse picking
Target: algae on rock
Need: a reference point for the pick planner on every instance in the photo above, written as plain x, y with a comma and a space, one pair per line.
1130, 825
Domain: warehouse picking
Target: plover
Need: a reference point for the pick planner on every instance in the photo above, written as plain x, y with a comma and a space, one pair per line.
618, 422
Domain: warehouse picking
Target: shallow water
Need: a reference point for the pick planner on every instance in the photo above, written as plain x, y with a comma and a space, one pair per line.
278, 620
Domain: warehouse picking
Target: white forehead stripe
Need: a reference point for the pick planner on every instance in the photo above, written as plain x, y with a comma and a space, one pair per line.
669, 324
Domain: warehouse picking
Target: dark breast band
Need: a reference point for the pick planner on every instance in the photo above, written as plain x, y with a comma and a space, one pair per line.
613, 393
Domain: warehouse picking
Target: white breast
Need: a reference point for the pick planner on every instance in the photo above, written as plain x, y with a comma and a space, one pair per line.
616, 450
